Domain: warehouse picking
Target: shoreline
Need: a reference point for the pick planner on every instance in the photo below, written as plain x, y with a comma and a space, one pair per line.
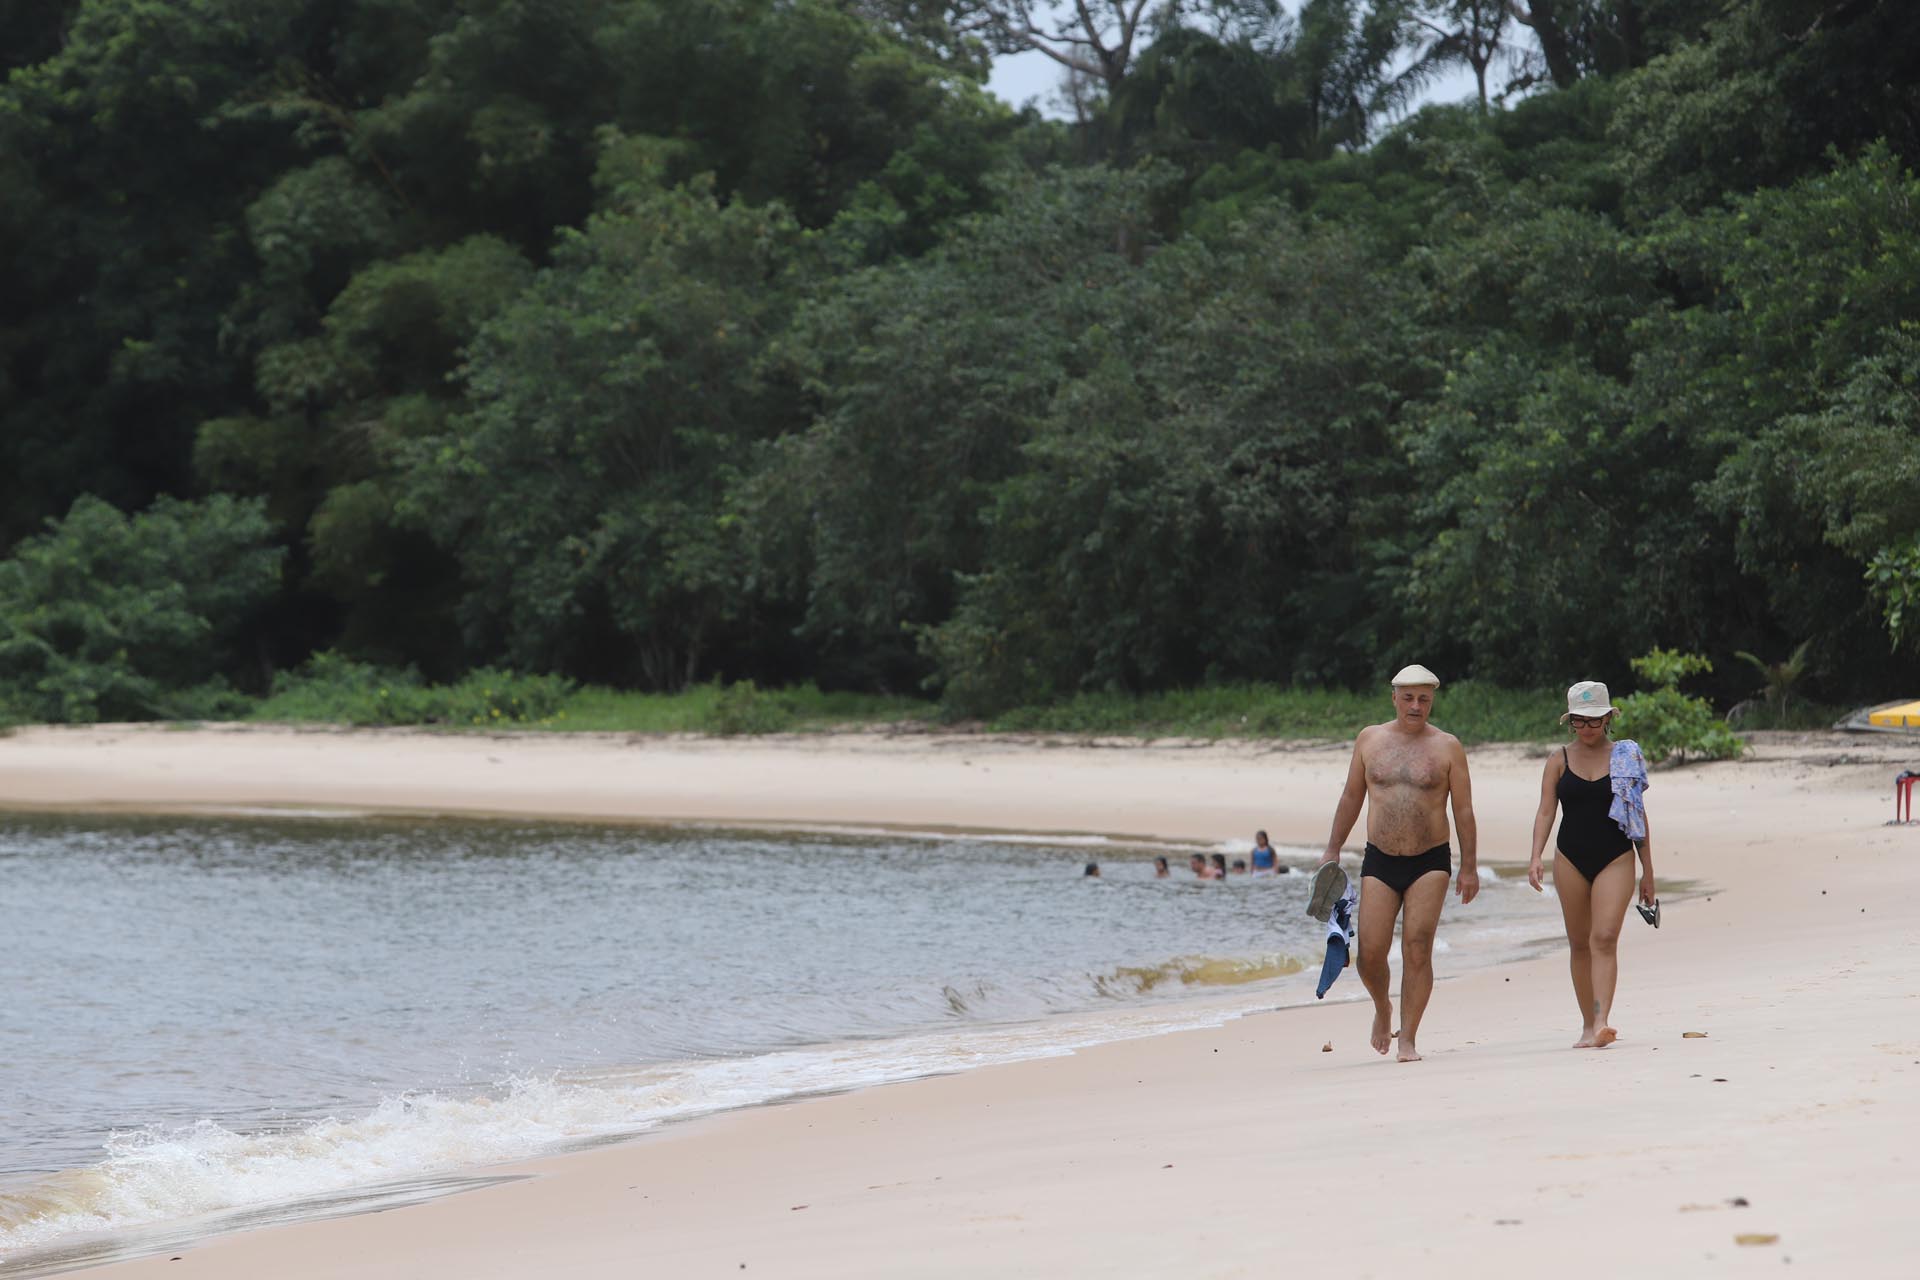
1038, 1163
963, 783
1066, 1033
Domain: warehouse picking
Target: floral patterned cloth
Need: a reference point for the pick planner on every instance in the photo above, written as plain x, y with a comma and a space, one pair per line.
1629, 772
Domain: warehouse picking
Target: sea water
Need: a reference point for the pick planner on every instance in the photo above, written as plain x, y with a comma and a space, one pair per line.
215, 1014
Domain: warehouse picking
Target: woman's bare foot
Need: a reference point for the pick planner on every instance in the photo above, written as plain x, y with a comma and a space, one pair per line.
1586, 1040
1407, 1052
1382, 1038
1604, 1037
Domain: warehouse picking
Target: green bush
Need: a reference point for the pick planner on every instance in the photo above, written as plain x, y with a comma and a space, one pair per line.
1893, 576
1668, 724
107, 616
335, 689
490, 696
718, 708
746, 708
214, 700
1471, 710
1804, 714
332, 688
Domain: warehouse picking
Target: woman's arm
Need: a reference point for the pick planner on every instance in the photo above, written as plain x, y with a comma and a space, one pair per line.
1543, 817
1644, 846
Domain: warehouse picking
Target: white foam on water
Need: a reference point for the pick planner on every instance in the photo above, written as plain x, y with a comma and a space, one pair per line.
277, 811
159, 1175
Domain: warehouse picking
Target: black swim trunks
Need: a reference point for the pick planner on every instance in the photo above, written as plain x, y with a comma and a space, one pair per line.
1397, 872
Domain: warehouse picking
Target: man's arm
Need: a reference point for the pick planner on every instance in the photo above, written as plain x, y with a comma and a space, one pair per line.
1468, 886
1352, 796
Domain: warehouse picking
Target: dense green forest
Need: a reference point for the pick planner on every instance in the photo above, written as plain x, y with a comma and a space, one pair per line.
646, 343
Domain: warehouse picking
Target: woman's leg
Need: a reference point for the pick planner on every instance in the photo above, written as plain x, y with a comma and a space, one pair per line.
1573, 891
1612, 891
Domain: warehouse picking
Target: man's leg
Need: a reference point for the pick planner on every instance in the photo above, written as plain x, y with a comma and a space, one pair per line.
1575, 896
1378, 907
1425, 897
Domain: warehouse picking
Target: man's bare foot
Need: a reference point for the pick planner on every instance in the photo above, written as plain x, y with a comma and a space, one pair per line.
1604, 1037
1382, 1038
1586, 1038
1407, 1052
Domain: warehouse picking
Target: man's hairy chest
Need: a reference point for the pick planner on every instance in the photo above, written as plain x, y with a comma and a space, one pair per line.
1419, 768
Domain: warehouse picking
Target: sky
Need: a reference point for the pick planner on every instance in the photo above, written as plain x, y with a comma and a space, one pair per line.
1018, 78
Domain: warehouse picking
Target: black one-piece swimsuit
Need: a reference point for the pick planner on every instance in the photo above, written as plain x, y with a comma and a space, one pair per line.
1590, 839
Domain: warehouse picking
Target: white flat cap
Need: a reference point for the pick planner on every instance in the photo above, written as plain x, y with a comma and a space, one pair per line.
1415, 674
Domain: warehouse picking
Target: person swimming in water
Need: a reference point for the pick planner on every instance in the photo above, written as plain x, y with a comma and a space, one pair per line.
1160, 871
1265, 860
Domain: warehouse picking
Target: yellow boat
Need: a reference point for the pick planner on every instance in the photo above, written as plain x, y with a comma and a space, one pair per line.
1905, 715
1888, 717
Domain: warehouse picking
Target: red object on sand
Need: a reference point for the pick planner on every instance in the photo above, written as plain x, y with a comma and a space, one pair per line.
1903, 795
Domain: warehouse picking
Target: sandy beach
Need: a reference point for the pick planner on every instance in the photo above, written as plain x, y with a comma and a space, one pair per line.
1782, 1135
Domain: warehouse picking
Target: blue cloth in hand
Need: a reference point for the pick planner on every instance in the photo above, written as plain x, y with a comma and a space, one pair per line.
1339, 941
1330, 970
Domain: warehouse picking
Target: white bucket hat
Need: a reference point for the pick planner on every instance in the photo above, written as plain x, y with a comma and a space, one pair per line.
1415, 674
1588, 698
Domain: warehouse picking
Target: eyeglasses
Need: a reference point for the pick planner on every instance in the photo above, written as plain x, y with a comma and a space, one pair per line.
1586, 722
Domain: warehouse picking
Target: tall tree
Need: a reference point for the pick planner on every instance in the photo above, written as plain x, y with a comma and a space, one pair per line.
582, 494
927, 377
1552, 23
1763, 95
1263, 79
1353, 65
1470, 33
123, 192
1196, 503
1096, 39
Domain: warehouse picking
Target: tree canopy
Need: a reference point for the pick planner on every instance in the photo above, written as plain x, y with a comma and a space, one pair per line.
649, 341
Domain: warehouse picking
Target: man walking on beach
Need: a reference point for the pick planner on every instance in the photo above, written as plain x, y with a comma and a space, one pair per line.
1405, 770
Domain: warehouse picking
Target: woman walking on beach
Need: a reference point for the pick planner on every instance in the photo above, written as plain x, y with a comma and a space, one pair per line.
1596, 784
